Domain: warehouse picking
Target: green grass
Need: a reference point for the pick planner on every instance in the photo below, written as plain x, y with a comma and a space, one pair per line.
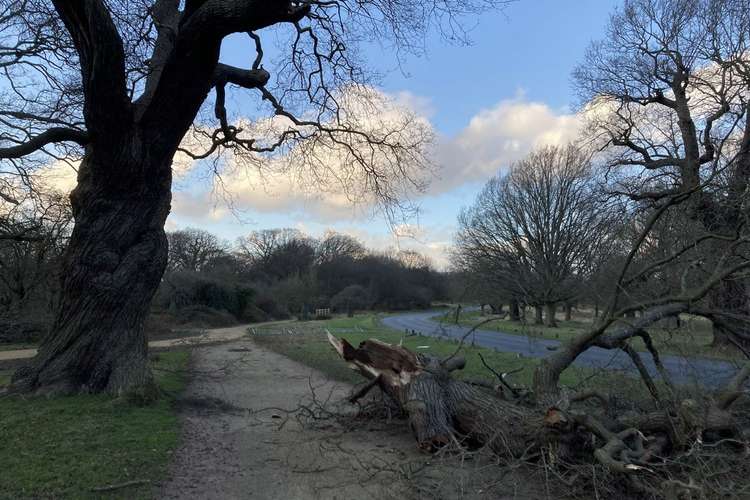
310, 347
64, 447
693, 338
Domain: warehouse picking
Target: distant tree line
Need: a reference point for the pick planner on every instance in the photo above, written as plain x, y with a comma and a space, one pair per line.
280, 273
269, 274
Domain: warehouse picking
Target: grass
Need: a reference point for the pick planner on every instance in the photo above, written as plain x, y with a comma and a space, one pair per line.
308, 345
64, 447
693, 338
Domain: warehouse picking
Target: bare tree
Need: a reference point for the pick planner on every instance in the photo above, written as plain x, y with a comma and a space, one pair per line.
667, 93
119, 84
34, 236
191, 249
334, 246
668, 89
536, 228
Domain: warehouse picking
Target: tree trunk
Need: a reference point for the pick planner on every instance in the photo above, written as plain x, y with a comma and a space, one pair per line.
441, 409
730, 297
538, 317
568, 311
550, 320
515, 314
112, 268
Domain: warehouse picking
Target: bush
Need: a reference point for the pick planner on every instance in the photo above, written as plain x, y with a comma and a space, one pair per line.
186, 291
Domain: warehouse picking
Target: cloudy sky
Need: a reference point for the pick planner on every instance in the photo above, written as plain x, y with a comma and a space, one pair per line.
488, 103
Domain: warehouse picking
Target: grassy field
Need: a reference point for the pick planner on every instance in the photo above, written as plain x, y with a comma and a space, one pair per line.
66, 447
307, 344
693, 338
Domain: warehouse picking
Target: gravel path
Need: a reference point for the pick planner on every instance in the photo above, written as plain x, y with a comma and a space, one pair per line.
232, 448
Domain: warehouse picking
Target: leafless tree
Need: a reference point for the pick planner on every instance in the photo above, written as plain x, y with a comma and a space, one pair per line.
667, 91
118, 84
536, 228
35, 234
334, 246
191, 249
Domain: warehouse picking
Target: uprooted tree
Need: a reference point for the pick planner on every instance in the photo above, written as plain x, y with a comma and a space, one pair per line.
117, 89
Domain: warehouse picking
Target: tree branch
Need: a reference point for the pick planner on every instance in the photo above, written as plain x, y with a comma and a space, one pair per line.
49, 136
107, 107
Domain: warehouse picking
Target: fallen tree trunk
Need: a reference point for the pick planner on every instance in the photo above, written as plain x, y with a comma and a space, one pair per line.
440, 408
443, 410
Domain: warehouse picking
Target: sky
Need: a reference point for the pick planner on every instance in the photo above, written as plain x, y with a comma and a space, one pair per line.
489, 104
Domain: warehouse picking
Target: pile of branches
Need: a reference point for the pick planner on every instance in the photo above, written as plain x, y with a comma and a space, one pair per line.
681, 447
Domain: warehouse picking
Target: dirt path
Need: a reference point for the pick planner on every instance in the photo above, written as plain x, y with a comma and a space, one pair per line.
212, 335
233, 448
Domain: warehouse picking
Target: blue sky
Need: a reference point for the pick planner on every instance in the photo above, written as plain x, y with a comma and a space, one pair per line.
489, 103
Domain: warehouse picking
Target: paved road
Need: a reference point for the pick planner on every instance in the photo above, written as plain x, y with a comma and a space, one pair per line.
705, 372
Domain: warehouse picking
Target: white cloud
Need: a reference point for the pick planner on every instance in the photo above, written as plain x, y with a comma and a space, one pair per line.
499, 136
322, 180
58, 175
493, 139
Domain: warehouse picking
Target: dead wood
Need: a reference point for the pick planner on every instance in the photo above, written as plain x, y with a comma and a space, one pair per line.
440, 408
636, 447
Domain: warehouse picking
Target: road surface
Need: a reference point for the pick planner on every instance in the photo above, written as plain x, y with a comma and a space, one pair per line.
684, 371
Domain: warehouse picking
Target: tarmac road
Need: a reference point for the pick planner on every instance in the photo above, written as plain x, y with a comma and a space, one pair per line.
684, 371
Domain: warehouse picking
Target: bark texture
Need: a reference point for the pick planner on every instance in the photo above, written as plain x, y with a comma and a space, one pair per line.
113, 266
441, 409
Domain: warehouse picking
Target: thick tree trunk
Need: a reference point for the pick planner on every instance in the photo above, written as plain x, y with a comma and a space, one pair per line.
441, 409
550, 320
538, 315
515, 314
113, 266
568, 311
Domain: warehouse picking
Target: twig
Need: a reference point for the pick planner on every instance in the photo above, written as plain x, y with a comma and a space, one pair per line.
466, 335
502, 376
119, 486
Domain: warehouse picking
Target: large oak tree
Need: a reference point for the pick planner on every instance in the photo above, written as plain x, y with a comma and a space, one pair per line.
117, 85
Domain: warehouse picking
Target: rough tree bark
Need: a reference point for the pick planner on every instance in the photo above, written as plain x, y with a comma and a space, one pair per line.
118, 250
113, 266
441, 409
